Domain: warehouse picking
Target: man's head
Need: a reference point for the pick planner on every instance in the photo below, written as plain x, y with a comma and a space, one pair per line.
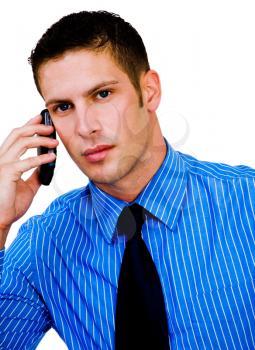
102, 94
96, 31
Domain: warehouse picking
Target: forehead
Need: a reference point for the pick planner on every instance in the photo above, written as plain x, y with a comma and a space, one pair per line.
82, 60
79, 66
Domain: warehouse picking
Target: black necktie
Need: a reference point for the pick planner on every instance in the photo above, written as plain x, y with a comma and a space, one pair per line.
141, 321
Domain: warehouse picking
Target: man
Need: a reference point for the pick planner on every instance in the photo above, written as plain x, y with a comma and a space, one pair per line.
62, 270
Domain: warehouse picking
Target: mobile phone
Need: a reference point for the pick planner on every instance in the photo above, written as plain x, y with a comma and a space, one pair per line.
46, 171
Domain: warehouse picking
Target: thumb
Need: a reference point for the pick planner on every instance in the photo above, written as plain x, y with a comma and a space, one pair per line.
33, 182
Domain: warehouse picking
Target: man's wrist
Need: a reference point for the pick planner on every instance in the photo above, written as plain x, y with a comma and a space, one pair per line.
3, 236
2, 251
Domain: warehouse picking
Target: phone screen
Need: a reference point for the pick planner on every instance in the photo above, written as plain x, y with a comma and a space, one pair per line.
46, 171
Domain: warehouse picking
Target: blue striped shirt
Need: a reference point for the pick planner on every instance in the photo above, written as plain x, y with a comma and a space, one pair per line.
62, 269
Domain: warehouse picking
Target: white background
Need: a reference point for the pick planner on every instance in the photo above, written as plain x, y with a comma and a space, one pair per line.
204, 52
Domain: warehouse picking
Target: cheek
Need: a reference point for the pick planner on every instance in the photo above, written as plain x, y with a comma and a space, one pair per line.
135, 121
105, 117
65, 132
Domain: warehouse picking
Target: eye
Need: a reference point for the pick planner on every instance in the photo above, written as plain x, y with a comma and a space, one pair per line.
62, 107
103, 94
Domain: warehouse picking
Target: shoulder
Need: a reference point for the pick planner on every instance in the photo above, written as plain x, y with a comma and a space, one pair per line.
220, 184
57, 215
216, 171
67, 201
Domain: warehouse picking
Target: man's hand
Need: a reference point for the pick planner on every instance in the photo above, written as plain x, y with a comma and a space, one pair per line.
16, 195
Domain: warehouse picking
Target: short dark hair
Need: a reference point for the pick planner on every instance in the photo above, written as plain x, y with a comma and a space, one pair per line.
98, 31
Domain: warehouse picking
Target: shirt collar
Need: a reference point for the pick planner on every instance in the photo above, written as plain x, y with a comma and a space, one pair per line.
162, 196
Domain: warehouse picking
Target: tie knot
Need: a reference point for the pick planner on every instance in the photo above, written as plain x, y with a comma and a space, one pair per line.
131, 220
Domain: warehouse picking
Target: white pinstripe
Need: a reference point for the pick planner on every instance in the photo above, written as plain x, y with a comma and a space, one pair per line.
62, 270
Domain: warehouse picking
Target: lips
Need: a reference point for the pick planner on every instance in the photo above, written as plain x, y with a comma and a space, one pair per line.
97, 153
97, 149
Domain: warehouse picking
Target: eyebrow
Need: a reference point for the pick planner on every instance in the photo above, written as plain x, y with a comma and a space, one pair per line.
88, 93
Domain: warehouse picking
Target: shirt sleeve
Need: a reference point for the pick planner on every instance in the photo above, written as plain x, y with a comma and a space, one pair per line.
24, 318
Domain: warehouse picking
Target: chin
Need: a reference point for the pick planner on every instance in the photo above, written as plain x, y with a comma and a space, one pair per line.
106, 179
109, 172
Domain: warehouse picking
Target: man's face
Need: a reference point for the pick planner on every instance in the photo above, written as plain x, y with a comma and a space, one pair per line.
93, 103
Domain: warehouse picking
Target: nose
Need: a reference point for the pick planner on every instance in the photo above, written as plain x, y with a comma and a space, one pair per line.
87, 121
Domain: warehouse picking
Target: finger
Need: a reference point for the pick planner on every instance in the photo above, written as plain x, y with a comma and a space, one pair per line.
33, 181
25, 131
22, 145
15, 132
27, 164
12, 172
35, 120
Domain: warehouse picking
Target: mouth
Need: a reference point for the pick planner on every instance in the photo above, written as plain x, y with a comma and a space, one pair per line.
97, 153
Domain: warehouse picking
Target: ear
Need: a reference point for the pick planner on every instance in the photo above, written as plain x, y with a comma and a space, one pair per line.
151, 90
